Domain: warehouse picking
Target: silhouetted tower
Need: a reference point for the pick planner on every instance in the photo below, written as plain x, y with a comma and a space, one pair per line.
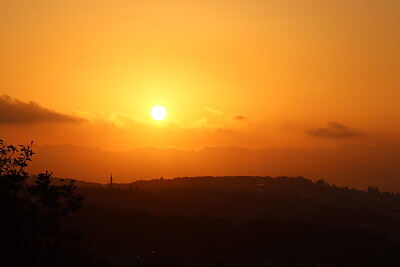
111, 181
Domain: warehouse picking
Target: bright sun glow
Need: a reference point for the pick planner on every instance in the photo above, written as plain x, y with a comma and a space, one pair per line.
158, 113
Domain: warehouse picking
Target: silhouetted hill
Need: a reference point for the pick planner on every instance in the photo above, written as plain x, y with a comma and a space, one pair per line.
239, 219
60, 181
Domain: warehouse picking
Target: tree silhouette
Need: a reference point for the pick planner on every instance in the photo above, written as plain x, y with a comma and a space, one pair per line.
32, 227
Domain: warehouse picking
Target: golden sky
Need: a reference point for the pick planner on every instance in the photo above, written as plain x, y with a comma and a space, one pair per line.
277, 63
247, 73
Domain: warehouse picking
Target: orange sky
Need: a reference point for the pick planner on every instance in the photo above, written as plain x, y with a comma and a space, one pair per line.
254, 73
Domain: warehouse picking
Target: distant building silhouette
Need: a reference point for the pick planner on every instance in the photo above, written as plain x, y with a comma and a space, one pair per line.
111, 181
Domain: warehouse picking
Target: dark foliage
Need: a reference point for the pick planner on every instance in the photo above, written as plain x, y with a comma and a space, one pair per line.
34, 228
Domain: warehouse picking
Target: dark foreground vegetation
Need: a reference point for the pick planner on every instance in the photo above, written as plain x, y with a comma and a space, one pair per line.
34, 230
199, 221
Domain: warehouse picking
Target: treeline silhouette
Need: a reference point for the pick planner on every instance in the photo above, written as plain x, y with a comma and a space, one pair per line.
191, 221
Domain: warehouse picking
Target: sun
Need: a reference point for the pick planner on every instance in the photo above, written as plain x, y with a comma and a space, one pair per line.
158, 113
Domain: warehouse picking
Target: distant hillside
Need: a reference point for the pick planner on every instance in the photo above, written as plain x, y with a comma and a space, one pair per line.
80, 184
244, 198
241, 219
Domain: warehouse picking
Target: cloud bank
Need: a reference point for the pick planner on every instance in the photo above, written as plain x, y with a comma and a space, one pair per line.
14, 111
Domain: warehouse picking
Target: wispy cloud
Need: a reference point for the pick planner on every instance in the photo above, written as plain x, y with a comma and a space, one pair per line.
214, 111
334, 130
239, 118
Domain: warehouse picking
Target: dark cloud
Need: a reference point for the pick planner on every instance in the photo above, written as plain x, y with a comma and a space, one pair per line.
334, 130
239, 118
13, 111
